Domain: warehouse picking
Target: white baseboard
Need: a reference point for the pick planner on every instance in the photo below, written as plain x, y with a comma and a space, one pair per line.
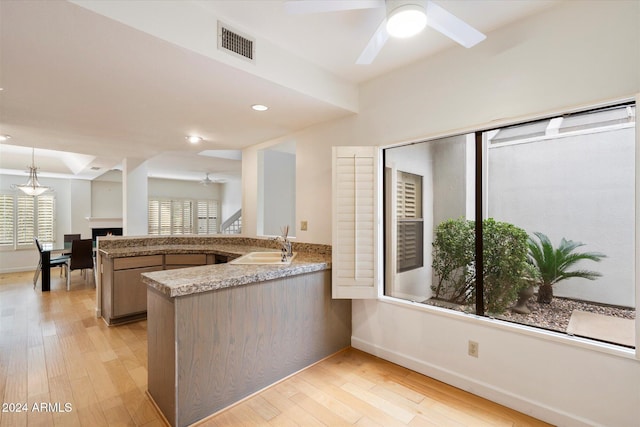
495, 394
17, 270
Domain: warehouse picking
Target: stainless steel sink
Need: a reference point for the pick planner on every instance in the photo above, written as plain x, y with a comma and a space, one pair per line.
263, 258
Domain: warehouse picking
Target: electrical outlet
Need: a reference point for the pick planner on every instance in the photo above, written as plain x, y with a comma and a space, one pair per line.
303, 225
473, 349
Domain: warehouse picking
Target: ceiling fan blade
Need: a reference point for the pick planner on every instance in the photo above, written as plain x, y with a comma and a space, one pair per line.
299, 7
375, 44
452, 26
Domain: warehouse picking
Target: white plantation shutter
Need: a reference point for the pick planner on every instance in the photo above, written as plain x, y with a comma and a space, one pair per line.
355, 221
25, 220
46, 219
171, 217
24, 217
409, 218
165, 217
6, 220
207, 217
154, 217
181, 217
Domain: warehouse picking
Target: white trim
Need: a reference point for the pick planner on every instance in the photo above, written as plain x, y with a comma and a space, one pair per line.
637, 232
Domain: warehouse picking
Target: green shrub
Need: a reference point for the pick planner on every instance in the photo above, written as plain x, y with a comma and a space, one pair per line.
505, 262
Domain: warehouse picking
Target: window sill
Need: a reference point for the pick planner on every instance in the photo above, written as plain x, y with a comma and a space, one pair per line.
558, 337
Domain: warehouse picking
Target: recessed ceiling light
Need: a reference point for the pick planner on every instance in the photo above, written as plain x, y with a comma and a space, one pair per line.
194, 139
5, 137
260, 107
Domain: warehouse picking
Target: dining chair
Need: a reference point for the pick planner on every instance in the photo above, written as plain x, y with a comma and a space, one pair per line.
81, 257
59, 261
68, 238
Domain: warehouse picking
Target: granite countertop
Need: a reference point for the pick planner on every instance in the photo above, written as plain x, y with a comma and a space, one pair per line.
187, 281
229, 250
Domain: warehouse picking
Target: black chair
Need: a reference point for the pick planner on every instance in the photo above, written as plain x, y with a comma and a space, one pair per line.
81, 257
68, 238
59, 261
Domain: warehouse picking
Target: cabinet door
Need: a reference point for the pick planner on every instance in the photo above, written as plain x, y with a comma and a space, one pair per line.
129, 293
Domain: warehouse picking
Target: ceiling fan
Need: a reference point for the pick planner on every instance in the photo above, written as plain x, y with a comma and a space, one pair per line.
206, 180
404, 18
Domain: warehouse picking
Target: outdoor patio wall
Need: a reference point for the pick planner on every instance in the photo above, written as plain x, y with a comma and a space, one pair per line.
576, 53
580, 188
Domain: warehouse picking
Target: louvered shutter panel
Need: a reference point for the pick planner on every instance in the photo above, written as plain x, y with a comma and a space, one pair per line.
409, 217
6, 220
165, 217
187, 217
154, 217
355, 219
26, 220
181, 217
207, 217
45, 218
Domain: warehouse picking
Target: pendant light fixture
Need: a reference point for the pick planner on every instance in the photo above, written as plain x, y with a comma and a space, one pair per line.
32, 187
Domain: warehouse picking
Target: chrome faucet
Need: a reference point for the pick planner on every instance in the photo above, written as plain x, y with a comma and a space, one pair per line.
285, 244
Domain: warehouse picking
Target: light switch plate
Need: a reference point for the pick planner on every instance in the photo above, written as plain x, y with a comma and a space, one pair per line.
303, 225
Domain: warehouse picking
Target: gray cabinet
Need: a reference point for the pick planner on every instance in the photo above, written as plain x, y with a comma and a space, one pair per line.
124, 296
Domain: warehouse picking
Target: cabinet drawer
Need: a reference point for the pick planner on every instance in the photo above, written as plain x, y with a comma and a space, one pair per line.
137, 262
186, 259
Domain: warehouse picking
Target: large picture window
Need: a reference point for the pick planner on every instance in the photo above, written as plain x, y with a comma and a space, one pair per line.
543, 208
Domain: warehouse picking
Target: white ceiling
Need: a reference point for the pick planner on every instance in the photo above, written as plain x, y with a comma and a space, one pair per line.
101, 81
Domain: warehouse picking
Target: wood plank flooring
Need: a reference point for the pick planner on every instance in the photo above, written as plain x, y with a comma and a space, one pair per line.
70, 369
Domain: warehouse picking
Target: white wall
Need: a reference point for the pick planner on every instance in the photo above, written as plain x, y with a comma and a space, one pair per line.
575, 54
231, 198
278, 186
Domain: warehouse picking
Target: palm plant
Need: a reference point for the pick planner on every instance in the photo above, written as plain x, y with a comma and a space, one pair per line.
553, 264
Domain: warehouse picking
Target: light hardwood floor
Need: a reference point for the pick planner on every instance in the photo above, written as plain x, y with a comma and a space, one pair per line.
54, 351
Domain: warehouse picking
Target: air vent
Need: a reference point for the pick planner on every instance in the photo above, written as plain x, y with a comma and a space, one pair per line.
233, 42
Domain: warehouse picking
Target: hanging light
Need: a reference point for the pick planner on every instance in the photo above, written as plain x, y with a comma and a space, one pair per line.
32, 187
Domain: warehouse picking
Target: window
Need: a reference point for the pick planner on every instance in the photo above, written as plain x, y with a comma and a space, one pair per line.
207, 217
173, 217
24, 217
409, 217
490, 196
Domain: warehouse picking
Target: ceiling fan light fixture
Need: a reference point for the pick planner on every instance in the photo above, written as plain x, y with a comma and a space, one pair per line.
406, 21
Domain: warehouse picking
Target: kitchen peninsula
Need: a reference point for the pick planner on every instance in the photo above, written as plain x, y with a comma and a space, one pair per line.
218, 333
